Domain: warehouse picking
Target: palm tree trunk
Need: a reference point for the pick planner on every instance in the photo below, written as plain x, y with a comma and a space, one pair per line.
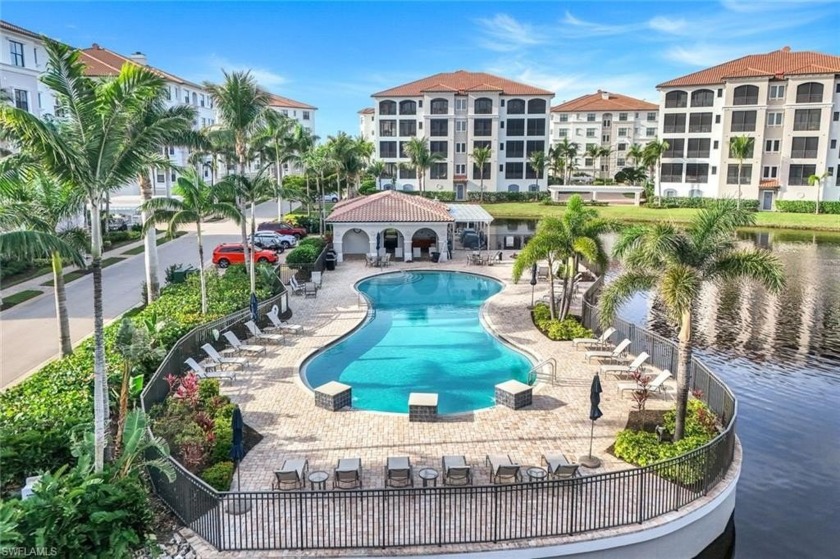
683, 374
253, 231
279, 174
64, 343
740, 164
149, 243
201, 279
100, 376
819, 188
243, 229
551, 288
659, 181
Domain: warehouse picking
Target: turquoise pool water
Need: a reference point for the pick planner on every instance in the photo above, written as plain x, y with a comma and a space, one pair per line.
423, 335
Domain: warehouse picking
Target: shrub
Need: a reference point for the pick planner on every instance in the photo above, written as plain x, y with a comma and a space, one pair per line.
305, 254
316, 242
558, 330
219, 476
699, 202
807, 207
440, 195
496, 197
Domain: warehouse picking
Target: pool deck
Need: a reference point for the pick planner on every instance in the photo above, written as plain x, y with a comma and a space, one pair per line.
276, 402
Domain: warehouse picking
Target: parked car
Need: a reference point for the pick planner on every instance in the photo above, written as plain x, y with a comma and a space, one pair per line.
117, 224
273, 241
282, 228
330, 198
226, 254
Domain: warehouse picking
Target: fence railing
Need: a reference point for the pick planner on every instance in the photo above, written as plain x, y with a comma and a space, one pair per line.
434, 516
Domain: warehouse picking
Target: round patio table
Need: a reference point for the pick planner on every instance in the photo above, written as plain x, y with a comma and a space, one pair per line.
318, 478
536, 473
428, 475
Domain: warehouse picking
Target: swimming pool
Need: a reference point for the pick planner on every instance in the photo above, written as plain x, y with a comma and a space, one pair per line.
423, 334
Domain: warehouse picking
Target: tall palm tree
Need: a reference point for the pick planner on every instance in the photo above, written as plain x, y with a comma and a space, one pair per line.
741, 147
817, 180
343, 152
33, 201
481, 157
675, 264
97, 148
277, 138
537, 160
557, 161
570, 151
636, 153
652, 157
596, 152
421, 158
199, 202
548, 244
377, 169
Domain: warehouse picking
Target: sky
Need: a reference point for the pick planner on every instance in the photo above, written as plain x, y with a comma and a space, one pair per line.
334, 55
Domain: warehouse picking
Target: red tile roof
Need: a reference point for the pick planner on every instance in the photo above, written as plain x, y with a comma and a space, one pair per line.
462, 82
367, 111
777, 63
389, 206
769, 183
598, 102
100, 61
15, 29
285, 102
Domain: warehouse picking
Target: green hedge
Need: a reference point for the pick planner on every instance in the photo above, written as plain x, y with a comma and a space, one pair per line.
306, 254
698, 202
316, 242
558, 330
500, 197
807, 207
441, 195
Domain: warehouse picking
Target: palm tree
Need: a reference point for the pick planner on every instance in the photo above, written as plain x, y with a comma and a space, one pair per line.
537, 160
596, 152
652, 157
421, 158
741, 147
342, 151
199, 202
377, 169
816, 180
676, 263
481, 157
33, 201
637, 154
277, 135
547, 244
570, 152
557, 162
97, 148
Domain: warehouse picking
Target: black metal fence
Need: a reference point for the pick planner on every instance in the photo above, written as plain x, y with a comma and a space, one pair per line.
434, 516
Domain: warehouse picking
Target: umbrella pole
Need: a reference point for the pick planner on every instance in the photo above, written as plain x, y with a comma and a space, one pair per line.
590, 461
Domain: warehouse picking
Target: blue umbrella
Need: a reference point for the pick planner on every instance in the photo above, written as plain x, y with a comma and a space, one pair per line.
594, 413
533, 282
237, 449
255, 308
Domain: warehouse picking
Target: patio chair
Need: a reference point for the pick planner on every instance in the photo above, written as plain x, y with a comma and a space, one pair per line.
657, 385
542, 273
220, 361
292, 472
296, 288
558, 467
310, 290
237, 344
317, 277
456, 471
202, 373
258, 334
623, 370
398, 471
280, 325
348, 471
502, 468
386, 260
599, 342
614, 355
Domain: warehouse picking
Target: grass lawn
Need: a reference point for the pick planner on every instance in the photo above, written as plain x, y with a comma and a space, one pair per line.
522, 210
27, 275
160, 240
76, 274
18, 298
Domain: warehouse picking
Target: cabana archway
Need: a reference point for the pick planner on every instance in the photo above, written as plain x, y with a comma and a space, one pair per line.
424, 242
356, 242
391, 241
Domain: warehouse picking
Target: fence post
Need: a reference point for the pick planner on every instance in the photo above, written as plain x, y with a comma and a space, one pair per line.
641, 497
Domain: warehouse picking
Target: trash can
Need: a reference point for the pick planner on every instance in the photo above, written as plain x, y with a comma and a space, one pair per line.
329, 261
435, 256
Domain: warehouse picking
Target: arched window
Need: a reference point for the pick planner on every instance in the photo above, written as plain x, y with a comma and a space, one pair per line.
408, 107
516, 107
407, 186
695, 193
483, 106
670, 193
809, 93
536, 106
513, 188
703, 98
533, 188
440, 106
387, 107
676, 99
745, 95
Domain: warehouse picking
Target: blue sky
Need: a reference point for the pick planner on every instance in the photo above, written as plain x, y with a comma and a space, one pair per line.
335, 55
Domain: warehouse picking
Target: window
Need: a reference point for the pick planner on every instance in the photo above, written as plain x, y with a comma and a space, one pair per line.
171, 150
536, 127
408, 107
747, 155
743, 121
714, 170
703, 98
836, 116
620, 162
700, 122
590, 117
606, 123
460, 169
440, 106
201, 100
408, 127
460, 126
438, 170
622, 132
777, 92
715, 145
674, 123
439, 147
772, 146
484, 127
650, 132
697, 172
672, 172
588, 162
651, 117
605, 138
530, 172
22, 99
732, 174
461, 147
563, 117
513, 188
670, 193
516, 127
698, 147
745, 95
477, 172
798, 174
481, 144
390, 170
676, 99
621, 147
438, 127
387, 127
16, 52
833, 144
515, 148
676, 147
563, 132
461, 104
536, 106
194, 98
804, 148
514, 170
590, 132
807, 119
774, 119
387, 107
483, 106
770, 172
534, 145
809, 93
516, 107
305, 115
408, 173
160, 177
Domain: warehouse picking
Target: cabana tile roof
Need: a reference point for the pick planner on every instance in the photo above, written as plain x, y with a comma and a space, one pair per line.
389, 206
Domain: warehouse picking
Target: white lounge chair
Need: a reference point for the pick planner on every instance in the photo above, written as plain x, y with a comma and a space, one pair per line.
292, 472
221, 361
613, 355
558, 467
502, 468
656, 385
348, 470
279, 325
625, 370
202, 373
297, 289
317, 277
456, 471
237, 344
258, 334
600, 341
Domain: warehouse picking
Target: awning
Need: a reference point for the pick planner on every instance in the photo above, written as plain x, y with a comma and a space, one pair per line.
466, 213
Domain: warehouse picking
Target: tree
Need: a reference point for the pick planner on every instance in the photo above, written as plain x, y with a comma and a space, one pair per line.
556, 162
741, 147
481, 157
631, 175
569, 151
596, 152
652, 158
675, 264
636, 153
421, 158
537, 160
199, 202
817, 180
377, 169
279, 149
342, 152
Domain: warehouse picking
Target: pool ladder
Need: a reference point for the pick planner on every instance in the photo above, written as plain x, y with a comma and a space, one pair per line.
538, 372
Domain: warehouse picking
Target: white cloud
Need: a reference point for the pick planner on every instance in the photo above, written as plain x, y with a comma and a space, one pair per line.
503, 33
265, 77
667, 25
576, 27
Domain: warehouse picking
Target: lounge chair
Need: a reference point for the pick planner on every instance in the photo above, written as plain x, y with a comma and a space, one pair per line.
296, 288
398, 471
614, 355
456, 471
317, 277
599, 342
348, 470
258, 334
624, 370
281, 326
558, 467
310, 289
292, 472
202, 373
237, 344
656, 385
220, 361
502, 468
542, 273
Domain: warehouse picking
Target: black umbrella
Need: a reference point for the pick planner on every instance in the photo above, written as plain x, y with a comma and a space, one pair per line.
255, 308
237, 449
533, 281
594, 413
378, 242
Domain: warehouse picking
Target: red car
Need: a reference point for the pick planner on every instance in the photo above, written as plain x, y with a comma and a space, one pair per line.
232, 253
282, 228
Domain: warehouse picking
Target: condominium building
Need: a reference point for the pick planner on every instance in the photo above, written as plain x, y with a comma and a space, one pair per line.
458, 112
22, 61
787, 101
300, 112
608, 120
367, 124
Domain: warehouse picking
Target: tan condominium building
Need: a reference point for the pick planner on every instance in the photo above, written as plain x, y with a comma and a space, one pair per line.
788, 102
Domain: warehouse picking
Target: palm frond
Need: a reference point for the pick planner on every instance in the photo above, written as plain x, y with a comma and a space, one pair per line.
679, 287
620, 290
758, 265
36, 244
